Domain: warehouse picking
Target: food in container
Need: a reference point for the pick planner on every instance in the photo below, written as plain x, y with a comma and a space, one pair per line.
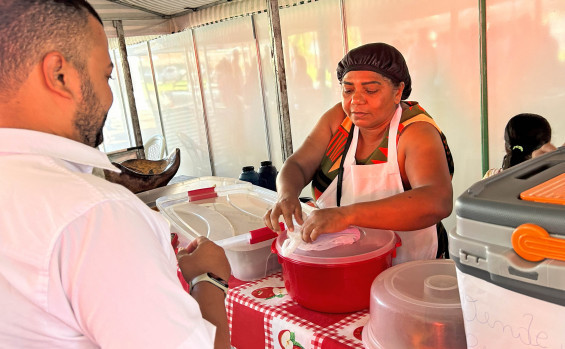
416, 305
337, 280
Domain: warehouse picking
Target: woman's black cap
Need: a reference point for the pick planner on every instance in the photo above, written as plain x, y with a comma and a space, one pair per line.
380, 58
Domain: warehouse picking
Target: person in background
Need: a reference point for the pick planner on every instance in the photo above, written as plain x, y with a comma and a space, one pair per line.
524, 133
375, 160
544, 149
83, 262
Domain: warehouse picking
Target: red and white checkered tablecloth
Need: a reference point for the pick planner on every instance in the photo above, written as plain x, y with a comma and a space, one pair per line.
262, 315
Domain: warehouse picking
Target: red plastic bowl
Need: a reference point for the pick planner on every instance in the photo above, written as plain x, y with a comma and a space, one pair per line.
333, 288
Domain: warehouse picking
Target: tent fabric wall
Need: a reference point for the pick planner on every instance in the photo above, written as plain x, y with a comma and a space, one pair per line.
441, 45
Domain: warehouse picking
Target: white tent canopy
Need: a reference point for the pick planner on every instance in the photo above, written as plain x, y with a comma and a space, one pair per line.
144, 18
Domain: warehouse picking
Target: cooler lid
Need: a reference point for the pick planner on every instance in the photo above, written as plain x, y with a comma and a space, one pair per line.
497, 199
429, 286
372, 243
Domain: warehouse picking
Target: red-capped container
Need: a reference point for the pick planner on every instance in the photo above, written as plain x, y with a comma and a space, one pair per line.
337, 280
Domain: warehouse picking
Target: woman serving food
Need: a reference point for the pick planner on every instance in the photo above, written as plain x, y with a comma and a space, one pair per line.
375, 160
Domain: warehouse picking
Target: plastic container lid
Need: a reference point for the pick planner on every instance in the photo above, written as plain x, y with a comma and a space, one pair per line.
237, 209
230, 215
419, 284
372, 243
421, 300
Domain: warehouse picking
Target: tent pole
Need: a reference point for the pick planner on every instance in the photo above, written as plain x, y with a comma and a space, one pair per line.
280, 75
484, 85
129, 89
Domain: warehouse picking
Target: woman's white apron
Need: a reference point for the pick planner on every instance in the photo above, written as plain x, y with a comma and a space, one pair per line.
373, 182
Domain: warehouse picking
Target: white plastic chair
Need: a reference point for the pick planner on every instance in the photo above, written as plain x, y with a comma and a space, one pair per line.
155, 148
194, 156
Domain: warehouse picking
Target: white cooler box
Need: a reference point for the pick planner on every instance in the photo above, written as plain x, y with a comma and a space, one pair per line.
226, 212
511, 276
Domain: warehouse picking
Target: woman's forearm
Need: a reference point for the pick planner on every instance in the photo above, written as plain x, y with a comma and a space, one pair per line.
410, 210
291, 180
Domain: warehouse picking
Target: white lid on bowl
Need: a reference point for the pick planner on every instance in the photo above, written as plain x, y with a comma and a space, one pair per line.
372, 243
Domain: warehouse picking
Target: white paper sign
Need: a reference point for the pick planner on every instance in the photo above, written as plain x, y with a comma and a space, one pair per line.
498, 318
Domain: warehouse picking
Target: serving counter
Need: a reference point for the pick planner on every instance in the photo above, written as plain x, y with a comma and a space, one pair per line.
262, 315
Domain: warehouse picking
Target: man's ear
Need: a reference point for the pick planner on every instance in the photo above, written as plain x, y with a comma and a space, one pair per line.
58, 73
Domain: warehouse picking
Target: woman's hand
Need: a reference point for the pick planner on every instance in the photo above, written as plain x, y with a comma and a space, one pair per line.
287, 207
323, 221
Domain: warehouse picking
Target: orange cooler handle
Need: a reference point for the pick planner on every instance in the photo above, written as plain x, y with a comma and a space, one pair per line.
534, 244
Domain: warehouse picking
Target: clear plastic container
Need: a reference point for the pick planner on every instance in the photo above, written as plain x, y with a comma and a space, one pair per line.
226, 219
187, 183
416, 305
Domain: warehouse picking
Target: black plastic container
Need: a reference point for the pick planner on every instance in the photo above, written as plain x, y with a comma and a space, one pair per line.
249, 175
268, 175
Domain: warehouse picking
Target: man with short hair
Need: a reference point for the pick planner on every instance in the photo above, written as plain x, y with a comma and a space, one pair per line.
83, 262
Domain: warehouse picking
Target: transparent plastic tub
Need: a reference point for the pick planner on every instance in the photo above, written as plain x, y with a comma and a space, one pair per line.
227, 218
416, 305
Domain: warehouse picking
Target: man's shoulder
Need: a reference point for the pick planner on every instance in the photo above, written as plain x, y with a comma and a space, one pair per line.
80, 186
53, 185
105, 188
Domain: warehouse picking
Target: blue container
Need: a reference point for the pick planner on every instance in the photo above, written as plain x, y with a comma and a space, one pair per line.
268, 175
249, 175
